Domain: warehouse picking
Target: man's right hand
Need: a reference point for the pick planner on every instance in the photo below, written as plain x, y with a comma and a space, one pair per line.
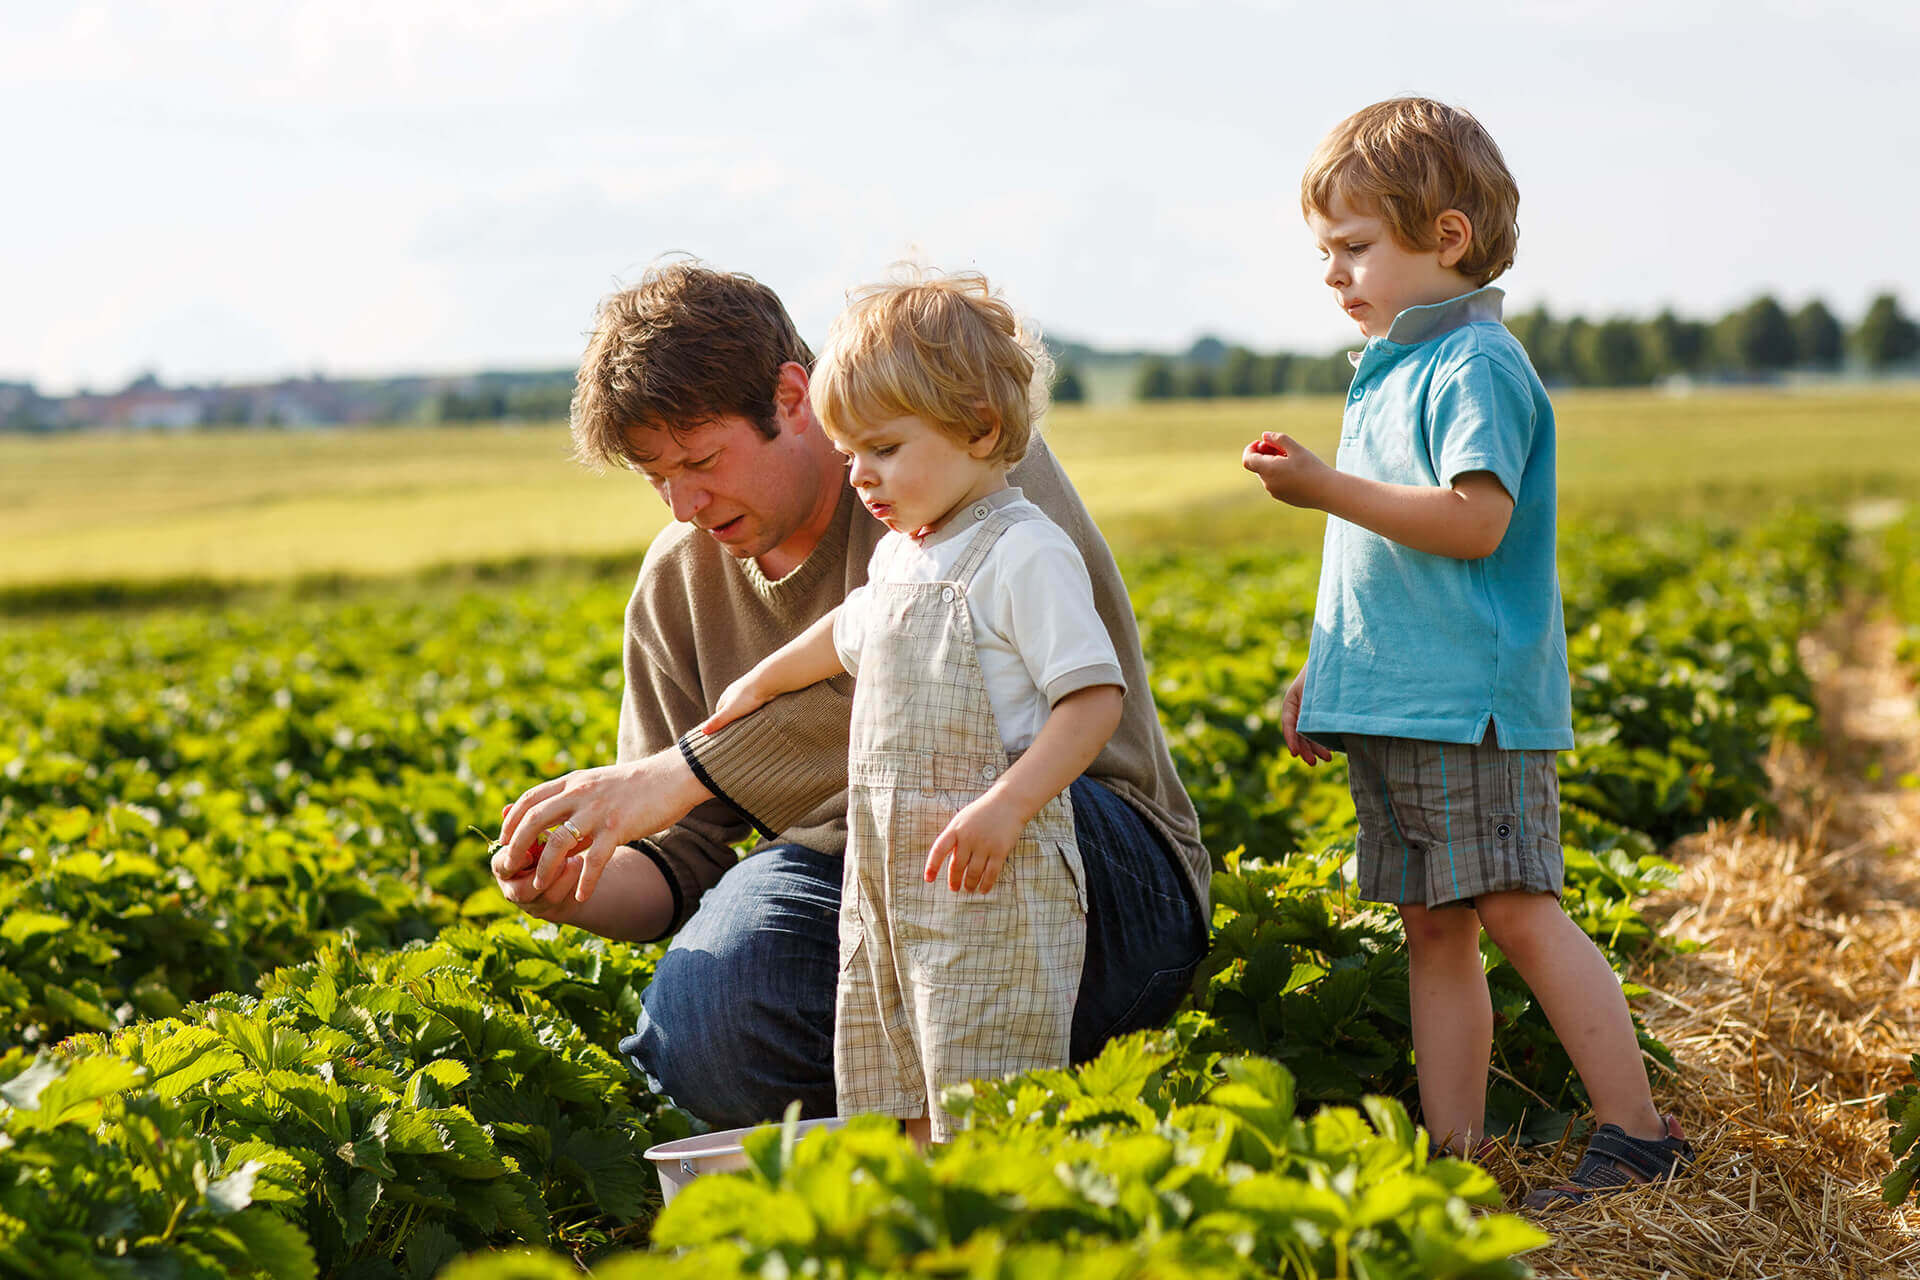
517, 886
1302, 747
608, 807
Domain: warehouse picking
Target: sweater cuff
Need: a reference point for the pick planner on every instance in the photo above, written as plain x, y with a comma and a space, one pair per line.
659, 859
732, 764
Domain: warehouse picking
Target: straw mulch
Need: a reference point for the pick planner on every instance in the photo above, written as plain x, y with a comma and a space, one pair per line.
1792, 1021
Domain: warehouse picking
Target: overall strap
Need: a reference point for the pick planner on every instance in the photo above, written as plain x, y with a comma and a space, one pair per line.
983, 539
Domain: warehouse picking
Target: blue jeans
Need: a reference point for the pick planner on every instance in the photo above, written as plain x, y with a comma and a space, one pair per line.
738, 1020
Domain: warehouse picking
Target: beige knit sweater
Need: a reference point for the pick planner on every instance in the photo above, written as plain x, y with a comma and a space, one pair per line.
698, 619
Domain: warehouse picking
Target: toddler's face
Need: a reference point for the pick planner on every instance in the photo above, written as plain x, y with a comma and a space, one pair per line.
912, 476
1372, 275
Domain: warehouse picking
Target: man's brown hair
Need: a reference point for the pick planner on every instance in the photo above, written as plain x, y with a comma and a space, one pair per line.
1406, 161
683, 347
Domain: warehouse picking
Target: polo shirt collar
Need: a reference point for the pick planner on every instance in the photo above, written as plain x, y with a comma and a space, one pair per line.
972, 514
1422, 324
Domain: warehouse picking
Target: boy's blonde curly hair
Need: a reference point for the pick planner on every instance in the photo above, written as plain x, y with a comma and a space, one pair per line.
1406, 161
944, 348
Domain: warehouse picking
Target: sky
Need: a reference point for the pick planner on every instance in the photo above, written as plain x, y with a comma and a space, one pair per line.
217, 191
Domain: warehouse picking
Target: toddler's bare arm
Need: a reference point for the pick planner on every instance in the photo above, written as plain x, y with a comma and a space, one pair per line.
806, 659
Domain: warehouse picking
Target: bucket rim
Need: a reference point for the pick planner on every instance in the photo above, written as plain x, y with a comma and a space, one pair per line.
727, 1141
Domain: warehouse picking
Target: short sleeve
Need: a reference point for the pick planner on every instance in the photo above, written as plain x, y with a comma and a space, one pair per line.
1480, 417
849, 628
1050, 615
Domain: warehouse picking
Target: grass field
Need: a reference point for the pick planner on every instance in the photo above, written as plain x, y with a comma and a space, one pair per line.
270, 505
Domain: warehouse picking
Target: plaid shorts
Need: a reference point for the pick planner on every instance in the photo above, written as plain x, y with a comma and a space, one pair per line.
1441, 822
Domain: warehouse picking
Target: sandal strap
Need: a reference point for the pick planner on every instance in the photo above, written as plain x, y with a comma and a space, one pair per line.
1614, 1157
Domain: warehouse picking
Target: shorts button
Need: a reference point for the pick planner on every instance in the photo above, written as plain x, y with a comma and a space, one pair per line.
1503, 831
947, 595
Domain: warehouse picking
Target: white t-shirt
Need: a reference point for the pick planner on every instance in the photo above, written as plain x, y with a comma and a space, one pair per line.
1036, 632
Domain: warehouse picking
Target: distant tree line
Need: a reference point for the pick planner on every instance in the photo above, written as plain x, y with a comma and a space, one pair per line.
1758, 341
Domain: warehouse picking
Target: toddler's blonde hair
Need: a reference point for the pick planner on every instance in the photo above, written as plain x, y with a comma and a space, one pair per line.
943, 348
1406, 161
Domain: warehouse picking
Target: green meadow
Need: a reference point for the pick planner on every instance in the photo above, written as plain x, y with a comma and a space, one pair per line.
259, 506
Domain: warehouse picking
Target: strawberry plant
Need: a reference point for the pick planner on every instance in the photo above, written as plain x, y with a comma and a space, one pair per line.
1903, 1108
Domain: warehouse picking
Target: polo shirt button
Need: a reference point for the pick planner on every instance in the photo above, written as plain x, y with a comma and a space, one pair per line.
981, 511
947, 595
1358, 392
987, 772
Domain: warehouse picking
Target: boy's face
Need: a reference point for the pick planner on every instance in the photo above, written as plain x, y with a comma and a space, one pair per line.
912, 476
1374, 277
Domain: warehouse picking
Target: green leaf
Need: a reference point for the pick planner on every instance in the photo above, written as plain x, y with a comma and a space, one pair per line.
275, 1248
76, 1095
234, 1192
20, 926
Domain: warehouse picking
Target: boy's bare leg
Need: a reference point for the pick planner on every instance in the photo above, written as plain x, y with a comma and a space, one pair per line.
1582, 999
1452, 1022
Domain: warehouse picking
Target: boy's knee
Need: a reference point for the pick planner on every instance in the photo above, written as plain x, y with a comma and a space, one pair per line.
1428, 928
1518, 922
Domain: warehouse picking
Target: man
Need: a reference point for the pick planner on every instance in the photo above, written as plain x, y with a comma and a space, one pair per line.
697, 379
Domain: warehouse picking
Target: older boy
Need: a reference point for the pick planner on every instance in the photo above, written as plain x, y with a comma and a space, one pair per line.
1438, 658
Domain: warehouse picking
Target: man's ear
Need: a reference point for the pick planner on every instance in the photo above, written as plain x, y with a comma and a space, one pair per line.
790, 407
1455, 231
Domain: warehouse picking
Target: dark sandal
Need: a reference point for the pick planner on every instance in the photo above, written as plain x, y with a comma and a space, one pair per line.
1617, 1161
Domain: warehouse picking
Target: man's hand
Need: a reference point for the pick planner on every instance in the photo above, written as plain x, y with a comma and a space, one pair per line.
743, 697
978, 840
607, 807
1288, 469
516, 886
1302, 747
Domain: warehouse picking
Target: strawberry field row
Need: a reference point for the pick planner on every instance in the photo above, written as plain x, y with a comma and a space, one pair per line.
1900, 569
236, 852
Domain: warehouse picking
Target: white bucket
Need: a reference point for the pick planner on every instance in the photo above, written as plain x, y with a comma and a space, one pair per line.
682, 1161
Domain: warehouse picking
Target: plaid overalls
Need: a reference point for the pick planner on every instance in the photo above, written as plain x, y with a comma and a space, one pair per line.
938, 987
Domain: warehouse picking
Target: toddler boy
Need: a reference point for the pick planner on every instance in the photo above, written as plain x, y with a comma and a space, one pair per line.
1438, 661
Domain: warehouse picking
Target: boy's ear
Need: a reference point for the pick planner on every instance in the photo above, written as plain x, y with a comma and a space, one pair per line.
983, 446
1455, 232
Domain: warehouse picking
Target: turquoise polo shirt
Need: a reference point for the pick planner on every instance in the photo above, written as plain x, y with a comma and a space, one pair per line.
1412, 645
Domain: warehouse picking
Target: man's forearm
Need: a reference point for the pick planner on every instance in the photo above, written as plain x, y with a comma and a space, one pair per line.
634, 902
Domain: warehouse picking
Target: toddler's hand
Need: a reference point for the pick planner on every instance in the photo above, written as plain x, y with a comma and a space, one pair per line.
1302, 747
1288, 469
978, 840
740, 698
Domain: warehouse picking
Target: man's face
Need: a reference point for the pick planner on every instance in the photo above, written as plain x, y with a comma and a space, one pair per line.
1373, 277
749, 493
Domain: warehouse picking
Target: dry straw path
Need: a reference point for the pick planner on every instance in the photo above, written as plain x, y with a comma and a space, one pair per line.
1793, 1019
